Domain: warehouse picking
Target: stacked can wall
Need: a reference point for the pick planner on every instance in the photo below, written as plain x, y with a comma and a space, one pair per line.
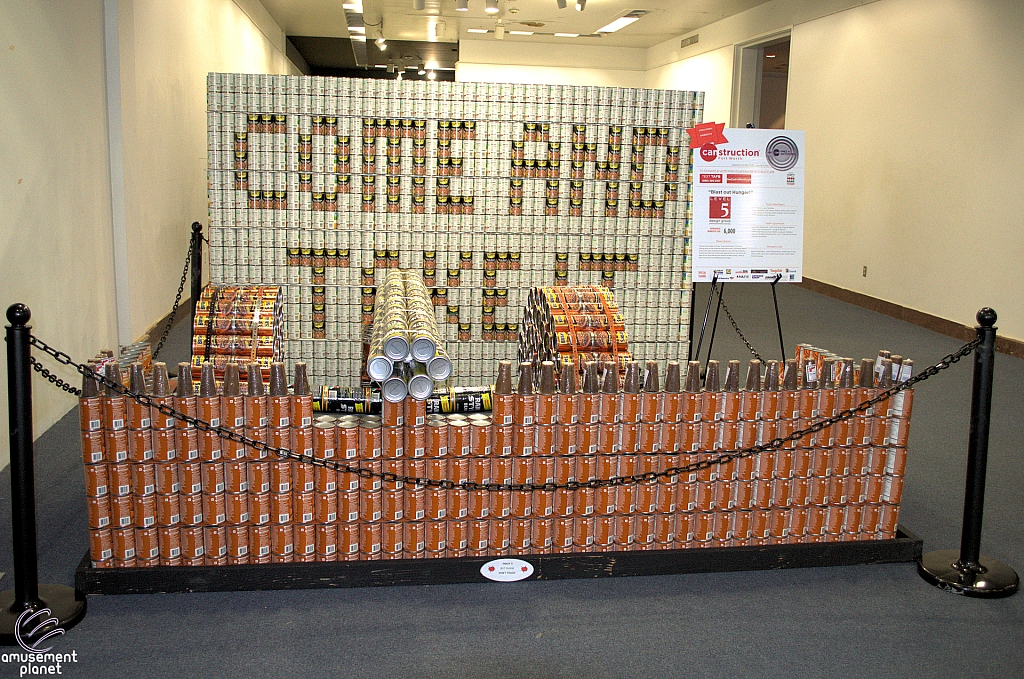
317, 184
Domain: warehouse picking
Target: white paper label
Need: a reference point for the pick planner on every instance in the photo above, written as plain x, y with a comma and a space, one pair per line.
507, 570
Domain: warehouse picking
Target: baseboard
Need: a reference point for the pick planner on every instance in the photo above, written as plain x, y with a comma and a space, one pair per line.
1004, 345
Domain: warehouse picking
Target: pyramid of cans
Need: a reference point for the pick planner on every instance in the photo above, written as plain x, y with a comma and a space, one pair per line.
161, 492
405, 353
237, 324
320, 185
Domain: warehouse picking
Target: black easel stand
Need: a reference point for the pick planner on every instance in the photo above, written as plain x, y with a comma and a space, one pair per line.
690, 355
65, 606
967, 572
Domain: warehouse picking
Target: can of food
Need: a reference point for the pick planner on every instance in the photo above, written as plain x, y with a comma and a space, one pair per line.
169, 545
215, 542
212, 477
114, 412
416, 441
97, 480
259, 508
101, 544
413, 539
502, 468
168, 510
144, 510
415, 412
281, 508
92, 447
523, 440
436, 536
237, 507
303, 506
371, 505
214, 509
124, 543
282, 543
115, 444
346, 440
209, 446
186, 444
192, 542
259, 544
236, 476
479, 504
237, 539
162, 445
304, 540
191, 508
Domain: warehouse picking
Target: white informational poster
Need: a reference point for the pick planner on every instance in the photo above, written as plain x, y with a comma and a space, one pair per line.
748, 207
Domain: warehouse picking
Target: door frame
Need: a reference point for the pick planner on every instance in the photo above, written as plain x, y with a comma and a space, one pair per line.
747, 63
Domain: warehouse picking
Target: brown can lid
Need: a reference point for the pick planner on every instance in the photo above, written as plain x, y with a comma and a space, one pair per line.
503, 383
611, 378
300, 386
547, 377
672, 381
753, 375
207, 380
90, 387
278, 381
631, 385
651, 384
867, 373
254, 379
161, 383
137, 378
790, 378
567, 379
591, 385
525, 386
232, 386
732, 376
113, 373
771, 376
184, 389
692, 384
712, 380
828, 373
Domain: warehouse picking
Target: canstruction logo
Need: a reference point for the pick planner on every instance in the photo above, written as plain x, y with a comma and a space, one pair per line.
31, 630
781, 153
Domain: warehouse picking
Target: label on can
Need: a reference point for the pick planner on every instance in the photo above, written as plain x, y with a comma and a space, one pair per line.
506, 570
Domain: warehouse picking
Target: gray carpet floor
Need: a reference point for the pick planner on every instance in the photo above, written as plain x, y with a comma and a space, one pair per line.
862, 621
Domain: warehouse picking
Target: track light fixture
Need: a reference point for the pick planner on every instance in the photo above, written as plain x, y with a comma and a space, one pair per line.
492, 7
581, 5
422, 70
461, 5
419, 5
561, 4
431, 75
499, 31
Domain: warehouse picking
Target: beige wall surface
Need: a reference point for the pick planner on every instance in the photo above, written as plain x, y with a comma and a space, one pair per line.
55, 236
167, 49
914, 112
710, 73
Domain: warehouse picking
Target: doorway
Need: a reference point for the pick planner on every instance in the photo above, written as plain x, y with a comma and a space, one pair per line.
760, 83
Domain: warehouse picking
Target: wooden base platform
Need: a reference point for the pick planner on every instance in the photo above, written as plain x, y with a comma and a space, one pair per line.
906, 547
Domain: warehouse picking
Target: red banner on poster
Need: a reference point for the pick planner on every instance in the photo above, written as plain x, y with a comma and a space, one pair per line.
706, 133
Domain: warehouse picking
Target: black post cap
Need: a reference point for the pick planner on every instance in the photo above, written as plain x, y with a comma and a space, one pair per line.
986, 317
18, 314
197, 227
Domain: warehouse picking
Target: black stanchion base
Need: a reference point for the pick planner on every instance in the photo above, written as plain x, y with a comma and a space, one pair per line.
67, 607
906, 547
940, 569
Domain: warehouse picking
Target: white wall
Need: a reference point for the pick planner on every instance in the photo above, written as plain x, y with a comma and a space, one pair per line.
710, 73
55, 234
914, 112
167, 49
511, 61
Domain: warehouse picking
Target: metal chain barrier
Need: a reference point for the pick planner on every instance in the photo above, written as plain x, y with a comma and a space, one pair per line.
647, 477
192, 244
739, 332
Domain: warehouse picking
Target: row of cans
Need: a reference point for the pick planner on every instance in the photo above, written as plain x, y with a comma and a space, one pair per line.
369, 503
242, 324
240, 545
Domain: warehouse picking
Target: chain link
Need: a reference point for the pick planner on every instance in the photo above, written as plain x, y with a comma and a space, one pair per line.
192, 245
736, 327
54, 380
648, 477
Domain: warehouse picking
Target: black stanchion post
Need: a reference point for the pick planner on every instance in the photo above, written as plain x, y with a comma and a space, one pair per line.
197, 269
66, 605
778, 321
967, 572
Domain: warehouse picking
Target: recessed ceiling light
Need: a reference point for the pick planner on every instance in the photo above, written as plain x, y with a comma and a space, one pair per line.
431, 75
770, 56
492, 7
520, 32
621, 22
567, 35
461, 5
477, 30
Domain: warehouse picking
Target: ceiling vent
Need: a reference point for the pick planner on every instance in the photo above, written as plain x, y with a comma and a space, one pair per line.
686, 42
